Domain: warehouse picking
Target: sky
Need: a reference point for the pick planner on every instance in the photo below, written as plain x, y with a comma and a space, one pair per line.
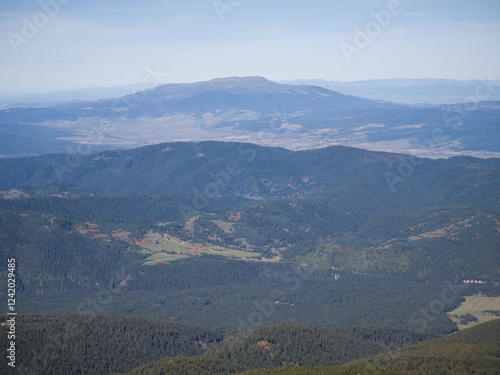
51, 45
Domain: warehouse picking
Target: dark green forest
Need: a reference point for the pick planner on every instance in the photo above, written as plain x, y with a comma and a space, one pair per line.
472, 351
97, 344
223, 258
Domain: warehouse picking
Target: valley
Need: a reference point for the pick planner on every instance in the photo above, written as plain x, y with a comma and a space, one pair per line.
256, 110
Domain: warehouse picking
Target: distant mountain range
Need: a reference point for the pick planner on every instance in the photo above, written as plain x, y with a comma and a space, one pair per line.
411, 91
67, 96
252, 109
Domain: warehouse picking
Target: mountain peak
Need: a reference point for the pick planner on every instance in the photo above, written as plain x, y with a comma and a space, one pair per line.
244, 81
230, 85
254, 85
238, 83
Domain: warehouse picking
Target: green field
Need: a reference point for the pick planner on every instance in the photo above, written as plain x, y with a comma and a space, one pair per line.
164, 248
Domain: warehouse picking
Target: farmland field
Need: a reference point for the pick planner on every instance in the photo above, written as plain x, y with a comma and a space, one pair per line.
163, 248
477, 306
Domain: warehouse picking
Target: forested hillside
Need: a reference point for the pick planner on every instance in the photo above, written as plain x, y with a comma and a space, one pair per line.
99, 344
284, 345
353, 210
472, 351
241, 238
351, 180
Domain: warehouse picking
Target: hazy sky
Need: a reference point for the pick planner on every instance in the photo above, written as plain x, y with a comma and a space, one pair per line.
86, 43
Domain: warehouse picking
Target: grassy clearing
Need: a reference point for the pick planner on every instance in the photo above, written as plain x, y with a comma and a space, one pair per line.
244, 255
155, 242
163, 257
164, 248
476, 305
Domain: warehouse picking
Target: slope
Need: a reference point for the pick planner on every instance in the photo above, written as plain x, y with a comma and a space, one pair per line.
474, 350
283, 345
353, 180
98, 344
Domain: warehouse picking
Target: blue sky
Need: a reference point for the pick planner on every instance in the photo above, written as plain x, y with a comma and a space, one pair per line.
109, 43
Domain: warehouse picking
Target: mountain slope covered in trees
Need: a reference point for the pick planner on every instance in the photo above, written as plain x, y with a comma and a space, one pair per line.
98, 344
340, 207
238, 237
475, 350
349, 179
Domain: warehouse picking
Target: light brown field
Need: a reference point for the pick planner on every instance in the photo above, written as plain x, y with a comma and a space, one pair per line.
475, 305
163, 248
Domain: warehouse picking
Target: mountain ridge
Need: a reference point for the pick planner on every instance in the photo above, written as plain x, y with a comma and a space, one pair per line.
322, 205
254, 109
411, 91
212, 155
